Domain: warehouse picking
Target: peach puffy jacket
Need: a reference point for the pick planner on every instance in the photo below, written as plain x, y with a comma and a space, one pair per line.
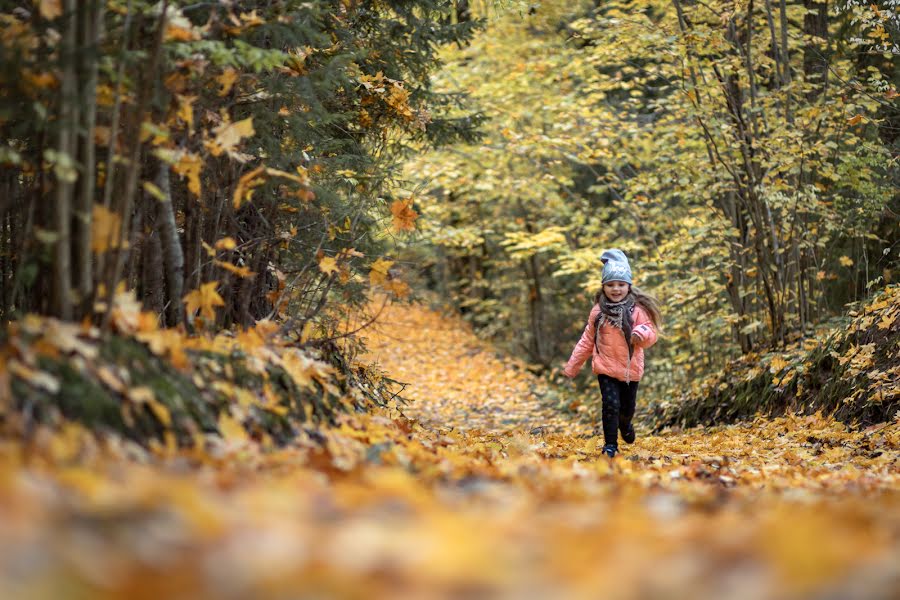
611, 358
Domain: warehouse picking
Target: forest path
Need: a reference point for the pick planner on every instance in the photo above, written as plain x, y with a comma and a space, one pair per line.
474, 490
798, 506
456, 380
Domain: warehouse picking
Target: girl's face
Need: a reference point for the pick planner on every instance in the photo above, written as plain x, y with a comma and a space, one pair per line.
616, 290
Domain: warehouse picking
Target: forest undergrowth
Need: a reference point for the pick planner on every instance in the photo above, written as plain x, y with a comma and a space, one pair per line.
474, 486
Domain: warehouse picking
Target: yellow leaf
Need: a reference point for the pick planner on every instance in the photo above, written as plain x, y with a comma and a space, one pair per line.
231, 429
229, 135
226, 80
378, 274
328, 265
404, 216
204, 299
846, 261
186, 110
226, 243
301, 176
777, 364
50, 9
854, 119
105, 229
239, 271
189, 165
154, 190
247, 182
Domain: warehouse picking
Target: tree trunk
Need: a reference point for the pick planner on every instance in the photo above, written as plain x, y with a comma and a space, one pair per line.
61, 289
173, 258
815, 58
129, 188
83, 279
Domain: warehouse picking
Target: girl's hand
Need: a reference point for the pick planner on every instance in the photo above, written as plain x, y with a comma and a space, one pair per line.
636, 337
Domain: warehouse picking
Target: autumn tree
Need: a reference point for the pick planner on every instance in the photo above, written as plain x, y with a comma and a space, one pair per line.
178, 147
740, 152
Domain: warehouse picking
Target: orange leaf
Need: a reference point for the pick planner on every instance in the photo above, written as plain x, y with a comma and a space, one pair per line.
404, 216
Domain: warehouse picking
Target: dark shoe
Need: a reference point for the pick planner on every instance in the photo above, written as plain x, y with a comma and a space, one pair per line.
610, 450
628, 433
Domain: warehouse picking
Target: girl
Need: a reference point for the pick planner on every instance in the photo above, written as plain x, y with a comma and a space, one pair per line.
622, 323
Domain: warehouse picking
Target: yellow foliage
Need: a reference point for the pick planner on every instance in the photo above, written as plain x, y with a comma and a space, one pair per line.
204, 299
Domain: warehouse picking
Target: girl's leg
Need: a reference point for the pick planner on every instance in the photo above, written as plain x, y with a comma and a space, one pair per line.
610, 390
627, 403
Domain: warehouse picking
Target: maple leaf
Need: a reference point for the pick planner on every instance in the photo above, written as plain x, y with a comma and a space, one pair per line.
398, 288
204, 299
328, 265
379, 273
229, 135
778, 364
189, 165
404, 215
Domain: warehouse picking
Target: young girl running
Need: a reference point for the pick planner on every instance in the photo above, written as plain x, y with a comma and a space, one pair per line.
622, 323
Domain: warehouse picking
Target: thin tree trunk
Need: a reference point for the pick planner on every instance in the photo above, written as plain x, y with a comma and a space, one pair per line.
815, 60
83, 279
153, 282
173, 258
61, 289
129, 189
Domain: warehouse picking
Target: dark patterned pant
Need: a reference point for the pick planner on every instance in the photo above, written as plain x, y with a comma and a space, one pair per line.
618, 406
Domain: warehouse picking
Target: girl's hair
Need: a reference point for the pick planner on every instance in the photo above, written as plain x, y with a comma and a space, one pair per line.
646, 301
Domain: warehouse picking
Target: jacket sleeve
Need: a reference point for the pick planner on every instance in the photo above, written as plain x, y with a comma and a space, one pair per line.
584, 348
643, 326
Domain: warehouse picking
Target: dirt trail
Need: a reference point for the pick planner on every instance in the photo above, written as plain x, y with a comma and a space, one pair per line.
477, 490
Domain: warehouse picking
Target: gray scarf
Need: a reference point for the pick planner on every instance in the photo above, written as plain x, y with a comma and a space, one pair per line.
617, 314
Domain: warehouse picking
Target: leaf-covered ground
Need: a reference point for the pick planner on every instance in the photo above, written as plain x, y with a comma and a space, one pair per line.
476, 489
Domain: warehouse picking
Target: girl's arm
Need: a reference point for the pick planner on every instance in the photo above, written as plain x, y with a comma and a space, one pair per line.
584, 348
643, 334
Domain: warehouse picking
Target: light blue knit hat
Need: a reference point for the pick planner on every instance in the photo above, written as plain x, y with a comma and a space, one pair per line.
615, 266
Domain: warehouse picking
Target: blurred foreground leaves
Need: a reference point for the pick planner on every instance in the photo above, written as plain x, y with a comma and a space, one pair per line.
477, 489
